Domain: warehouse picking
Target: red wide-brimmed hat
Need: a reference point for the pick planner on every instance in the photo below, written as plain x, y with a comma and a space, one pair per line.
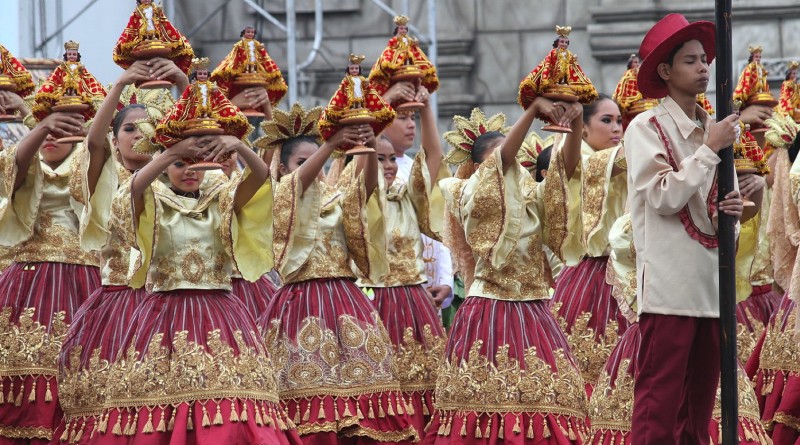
662, 38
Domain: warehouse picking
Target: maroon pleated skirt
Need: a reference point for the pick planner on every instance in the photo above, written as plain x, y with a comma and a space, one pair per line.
589, 315
611, 404
38, 302
194, 371
336, 372
752, 315
777, 375
508, 377
418, 338
254, 295
95, 339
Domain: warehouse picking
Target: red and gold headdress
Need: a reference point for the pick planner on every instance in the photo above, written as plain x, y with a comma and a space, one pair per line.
284, 126
201, 63
531, 147
793, 65
752, 49
782, 131
356, 60
71, 45
467, 132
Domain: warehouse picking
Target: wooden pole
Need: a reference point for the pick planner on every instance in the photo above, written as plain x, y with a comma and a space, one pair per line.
727, 241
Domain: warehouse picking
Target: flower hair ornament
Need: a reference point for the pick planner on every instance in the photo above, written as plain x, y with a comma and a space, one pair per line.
467, 131
531, 147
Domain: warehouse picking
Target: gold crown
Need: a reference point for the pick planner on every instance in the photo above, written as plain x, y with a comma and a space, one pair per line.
356, 60
563, 31
793, 65
201, 63
467, 132
401, 20
284, 126
755, 49
71, 45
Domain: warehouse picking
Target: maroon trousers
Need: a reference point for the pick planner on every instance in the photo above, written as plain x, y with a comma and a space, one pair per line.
676, 380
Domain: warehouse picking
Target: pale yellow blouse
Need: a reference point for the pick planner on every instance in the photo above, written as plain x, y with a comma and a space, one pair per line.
320, 231
596, 200
503, 217
410, 209
190, 243
41, 221
753, 262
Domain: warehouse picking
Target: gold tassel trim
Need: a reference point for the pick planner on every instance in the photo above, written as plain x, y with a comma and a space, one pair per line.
400, 403
530, 429
171, 423
410, 406
243, 416
307, 413
517, 427
358, 410
234, 417
218, 416
206, 420
545, 429
440, 431
48, 395
488, 428
117, 430
18, 399
381, 412
478, 432
259, 421
321, 413
501, 432
79, 433
65, 435
390, 410
190, 420
32, 395
148, 427
347, 412
425, 410
162, 424
103, 427
131, 430
10, 396
371, 411
463, 432
268, 417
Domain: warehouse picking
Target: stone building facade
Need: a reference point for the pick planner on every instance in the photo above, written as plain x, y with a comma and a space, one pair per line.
485, 47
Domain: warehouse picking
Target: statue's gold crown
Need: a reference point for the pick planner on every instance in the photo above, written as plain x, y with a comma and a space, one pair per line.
201, 63
563, 31
356, 60
72, 45
401, 20
793, 65
754, 49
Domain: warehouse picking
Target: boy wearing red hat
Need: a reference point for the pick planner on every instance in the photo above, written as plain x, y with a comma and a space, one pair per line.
672, 165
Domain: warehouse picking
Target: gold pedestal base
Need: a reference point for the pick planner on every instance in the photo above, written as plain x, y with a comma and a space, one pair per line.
407, 73
248, 80
765, 99
150, 49
6, 84
202, 127
357, 116
560, 92
70, 104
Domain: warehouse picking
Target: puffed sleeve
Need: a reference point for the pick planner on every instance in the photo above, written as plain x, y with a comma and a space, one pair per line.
365, 235
94, 218
296, 222
248, 233
426, 196
18, 208
621, 271
143, 232
603, 199
559, 202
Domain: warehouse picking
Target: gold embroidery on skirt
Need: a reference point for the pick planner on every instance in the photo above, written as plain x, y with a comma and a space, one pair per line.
26, 432
590, 351
190, 372
510, 385
26, 347
318, 363
611, 408
418, 363
781, 351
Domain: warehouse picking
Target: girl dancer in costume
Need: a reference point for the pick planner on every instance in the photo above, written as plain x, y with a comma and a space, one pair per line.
582, 302
774, 364
508, 375
411, 209
195, 369
50, 277
336, 368
98, 329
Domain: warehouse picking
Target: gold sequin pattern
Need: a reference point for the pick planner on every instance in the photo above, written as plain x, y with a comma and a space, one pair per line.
506, 384
590, 349
418, 362
28, 347
593, 191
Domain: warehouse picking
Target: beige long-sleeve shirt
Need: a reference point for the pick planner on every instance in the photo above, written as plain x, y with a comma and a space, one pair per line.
671, 185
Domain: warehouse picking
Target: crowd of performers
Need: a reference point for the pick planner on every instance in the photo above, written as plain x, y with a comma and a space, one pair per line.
268, 301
